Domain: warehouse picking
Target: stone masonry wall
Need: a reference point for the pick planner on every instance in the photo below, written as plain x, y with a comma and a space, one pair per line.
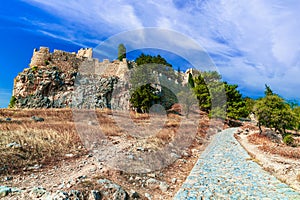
62, 79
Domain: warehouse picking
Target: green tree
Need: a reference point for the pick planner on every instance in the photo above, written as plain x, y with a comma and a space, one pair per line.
187, 99
268, 90
12, 102
296, 111
208, 87
191, 81
202, 94
121, 52
167, 97
151, 70
144, 97
216, 97
179, 77
249, 102
273, 112
147, 59
235, 105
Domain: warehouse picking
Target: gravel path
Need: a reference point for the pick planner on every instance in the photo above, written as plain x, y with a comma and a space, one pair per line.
225, 171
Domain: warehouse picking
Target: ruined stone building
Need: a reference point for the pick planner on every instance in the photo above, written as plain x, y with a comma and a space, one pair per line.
61, 79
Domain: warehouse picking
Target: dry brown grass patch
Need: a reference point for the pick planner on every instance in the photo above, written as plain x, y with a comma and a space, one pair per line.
41, 142
298, 177
36, 147
289, 152
259, 139
273, 148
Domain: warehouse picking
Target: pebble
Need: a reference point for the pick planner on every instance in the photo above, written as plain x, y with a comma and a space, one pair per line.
4, 191
13, 145
163, 186
95, 195
8, 178
69, 155
174, 180
224, 171
148, 196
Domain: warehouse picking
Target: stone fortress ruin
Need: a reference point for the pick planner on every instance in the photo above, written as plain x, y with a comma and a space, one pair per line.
42, 57
53, 81
61, 79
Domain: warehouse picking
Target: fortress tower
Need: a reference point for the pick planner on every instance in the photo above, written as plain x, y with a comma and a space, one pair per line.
85, 52
40, 57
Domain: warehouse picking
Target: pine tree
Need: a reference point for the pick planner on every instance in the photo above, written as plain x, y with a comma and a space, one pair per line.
273, 112
191, 81
268, 90
121, 52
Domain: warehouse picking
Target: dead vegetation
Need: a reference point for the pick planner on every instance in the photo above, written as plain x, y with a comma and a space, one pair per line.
272, 147
25, 143
259, 139
56, 139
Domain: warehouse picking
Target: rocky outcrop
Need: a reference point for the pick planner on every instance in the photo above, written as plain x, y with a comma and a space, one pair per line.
61, 79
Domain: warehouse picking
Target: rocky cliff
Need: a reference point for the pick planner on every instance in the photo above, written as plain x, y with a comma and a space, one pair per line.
61, 79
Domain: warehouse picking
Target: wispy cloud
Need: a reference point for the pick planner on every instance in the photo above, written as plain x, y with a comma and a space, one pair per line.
95, 17
252, 42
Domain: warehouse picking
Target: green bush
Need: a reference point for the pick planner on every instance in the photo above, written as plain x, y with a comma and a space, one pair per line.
12, 102
288, 140
34, 68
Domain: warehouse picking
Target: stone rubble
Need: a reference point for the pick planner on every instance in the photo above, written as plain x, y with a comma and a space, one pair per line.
107, 190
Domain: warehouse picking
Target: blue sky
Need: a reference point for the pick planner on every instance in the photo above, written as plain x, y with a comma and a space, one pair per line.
252, 43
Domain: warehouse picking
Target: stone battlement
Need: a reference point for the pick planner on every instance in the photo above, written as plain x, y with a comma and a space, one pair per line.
83, 58
53, 77
42, 56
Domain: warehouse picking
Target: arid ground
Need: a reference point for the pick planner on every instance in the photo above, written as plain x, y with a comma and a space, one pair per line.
53, 154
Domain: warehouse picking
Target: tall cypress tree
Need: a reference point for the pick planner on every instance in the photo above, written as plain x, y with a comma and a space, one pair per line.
191, 81
121, 52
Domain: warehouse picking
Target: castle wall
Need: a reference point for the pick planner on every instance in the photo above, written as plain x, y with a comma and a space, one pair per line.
52, 78
69, 61
85, 53
40, 57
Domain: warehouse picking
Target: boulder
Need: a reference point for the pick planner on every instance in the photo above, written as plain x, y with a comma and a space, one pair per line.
37, 119
111, 190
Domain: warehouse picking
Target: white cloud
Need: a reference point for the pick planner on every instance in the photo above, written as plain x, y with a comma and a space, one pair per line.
253, 42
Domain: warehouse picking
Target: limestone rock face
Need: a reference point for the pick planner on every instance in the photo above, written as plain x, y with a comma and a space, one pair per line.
61, 79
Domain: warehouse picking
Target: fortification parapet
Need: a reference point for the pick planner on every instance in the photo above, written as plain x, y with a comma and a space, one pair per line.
85, 53
39, 58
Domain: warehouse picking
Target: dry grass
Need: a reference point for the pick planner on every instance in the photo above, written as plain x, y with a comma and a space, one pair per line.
289, 152
49, 141
274, 148
298, 177
40, 142
297, 141
36, 147
45, 142
259, 139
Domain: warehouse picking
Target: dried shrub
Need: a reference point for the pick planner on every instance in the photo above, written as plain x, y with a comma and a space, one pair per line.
273, 148
259, 139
